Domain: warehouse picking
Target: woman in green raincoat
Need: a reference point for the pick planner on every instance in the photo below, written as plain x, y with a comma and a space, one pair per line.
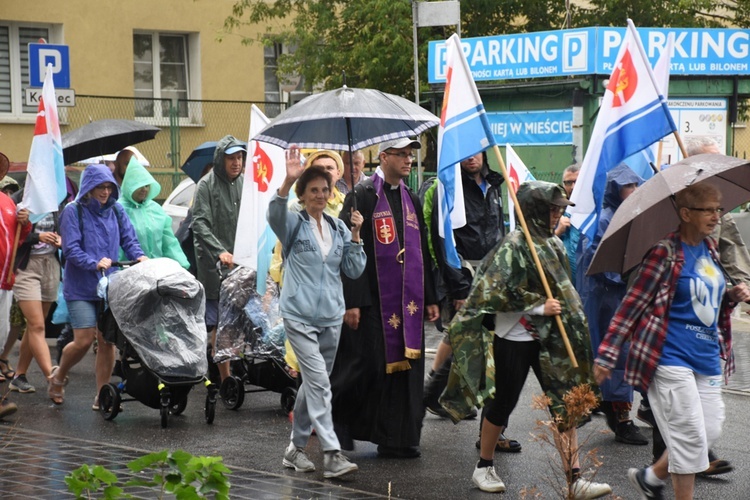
152, 224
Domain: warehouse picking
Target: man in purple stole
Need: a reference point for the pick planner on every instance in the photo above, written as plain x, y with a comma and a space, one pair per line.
378, 376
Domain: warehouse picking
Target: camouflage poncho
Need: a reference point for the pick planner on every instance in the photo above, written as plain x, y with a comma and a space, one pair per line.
507, 281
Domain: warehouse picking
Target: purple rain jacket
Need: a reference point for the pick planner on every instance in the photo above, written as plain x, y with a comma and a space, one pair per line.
104, 232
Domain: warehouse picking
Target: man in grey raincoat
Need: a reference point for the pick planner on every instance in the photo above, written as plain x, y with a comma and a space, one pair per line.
215, 211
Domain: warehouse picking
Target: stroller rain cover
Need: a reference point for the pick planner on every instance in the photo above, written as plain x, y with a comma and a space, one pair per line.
160, 308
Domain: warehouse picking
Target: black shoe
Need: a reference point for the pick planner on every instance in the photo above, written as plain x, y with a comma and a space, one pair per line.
637, 478
436, 409
646, 416
403, 452
629, 433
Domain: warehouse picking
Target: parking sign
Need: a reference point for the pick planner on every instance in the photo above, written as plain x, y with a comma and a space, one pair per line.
41, 54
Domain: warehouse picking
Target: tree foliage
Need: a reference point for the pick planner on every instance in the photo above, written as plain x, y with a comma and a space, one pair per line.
371, 40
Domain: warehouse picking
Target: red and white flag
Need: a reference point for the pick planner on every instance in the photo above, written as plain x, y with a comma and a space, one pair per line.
518, 174
265, 168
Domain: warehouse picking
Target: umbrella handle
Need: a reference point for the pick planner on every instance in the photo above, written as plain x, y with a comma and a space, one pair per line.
351, 154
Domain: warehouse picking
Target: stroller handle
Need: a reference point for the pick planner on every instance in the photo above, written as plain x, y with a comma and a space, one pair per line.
121, 264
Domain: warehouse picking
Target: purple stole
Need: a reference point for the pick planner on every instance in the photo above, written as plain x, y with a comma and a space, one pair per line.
400, 279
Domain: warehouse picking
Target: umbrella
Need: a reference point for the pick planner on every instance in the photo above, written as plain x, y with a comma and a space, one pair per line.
649, 214
198, 159
347, 119
113, 156
102, 137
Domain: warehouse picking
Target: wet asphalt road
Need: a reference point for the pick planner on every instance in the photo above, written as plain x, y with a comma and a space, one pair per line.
255, 436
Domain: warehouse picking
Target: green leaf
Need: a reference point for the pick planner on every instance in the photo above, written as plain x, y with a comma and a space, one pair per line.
141, 463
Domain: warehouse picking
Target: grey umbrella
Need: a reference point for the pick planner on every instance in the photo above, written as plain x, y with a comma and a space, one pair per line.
347, 119
103, 137
649, 214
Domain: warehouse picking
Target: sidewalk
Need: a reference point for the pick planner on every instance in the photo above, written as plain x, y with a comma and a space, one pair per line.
35, 464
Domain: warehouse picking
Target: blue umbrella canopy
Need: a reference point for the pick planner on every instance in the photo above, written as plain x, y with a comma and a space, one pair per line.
347, 119
198, 159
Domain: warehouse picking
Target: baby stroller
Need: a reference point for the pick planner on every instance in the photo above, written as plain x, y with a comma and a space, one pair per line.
156, 319
251, 335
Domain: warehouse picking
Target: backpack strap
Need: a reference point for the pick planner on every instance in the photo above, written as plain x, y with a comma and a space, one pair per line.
293, 237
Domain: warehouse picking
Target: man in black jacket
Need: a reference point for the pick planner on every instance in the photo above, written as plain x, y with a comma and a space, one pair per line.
483, 230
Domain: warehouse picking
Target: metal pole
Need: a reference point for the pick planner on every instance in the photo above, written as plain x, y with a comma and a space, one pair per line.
414, 19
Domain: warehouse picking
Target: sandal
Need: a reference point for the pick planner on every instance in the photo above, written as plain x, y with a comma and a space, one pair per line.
55, 389
7, 371
504, 445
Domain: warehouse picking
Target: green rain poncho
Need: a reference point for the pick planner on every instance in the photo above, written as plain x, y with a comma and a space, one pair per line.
152, 225
507, 282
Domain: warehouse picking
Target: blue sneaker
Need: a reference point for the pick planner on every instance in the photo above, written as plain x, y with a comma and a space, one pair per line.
648, 492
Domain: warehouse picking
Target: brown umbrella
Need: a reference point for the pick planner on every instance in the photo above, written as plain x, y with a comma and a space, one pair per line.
649, 214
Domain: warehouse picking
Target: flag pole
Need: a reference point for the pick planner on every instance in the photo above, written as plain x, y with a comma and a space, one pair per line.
522, 220
13, 254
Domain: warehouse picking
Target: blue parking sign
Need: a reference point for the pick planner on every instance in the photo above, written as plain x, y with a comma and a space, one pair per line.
42, 54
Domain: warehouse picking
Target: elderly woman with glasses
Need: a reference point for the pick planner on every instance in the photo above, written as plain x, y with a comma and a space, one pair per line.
677, 317
93, 229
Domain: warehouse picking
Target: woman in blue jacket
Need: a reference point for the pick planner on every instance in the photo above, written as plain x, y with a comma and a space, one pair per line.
93, 228
316, 249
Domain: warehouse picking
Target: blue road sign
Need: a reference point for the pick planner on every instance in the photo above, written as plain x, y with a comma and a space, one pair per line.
42, 54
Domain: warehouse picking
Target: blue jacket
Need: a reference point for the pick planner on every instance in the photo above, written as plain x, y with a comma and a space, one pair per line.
602, 293
312, 292
104, 232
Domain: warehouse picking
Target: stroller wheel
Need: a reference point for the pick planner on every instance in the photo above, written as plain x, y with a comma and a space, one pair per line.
178, 407
164, 411
109, 401
288, 397
232, 392
210, 408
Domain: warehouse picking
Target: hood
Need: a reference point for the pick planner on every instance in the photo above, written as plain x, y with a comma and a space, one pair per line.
9, 181
620, 176
136, 176
535, 198
225, 143
95, 175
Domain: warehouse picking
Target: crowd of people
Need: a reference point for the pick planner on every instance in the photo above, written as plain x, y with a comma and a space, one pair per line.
364, 267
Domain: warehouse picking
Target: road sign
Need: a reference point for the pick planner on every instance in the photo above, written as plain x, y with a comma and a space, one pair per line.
65, 97
41, 54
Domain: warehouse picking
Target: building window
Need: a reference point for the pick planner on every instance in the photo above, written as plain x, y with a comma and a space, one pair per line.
271, 53
161, 74
14, 63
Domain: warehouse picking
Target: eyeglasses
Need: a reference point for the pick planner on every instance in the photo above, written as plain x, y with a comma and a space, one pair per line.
709, 211
105, 187
554, 209
405, 156
569, 183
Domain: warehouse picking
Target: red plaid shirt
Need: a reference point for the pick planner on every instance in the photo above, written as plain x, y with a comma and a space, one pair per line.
643, 315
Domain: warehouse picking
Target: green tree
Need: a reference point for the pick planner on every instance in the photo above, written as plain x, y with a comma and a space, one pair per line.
651, 14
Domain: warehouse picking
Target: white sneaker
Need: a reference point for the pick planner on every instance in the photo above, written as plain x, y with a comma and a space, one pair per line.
584, 489
335, 464
487, 479
295, 458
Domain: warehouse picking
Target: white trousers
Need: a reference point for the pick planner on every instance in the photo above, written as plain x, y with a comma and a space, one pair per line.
689, 411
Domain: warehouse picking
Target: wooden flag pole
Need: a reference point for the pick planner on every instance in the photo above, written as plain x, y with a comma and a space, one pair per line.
13, 254
522, 220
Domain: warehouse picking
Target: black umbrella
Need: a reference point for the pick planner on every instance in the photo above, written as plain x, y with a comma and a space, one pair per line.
103, 137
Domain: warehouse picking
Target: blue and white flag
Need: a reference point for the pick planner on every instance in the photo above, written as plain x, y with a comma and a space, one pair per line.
45, 185
633, 115
464, 131
644, 162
